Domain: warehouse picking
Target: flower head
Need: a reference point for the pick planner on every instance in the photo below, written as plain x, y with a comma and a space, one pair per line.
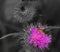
38, 37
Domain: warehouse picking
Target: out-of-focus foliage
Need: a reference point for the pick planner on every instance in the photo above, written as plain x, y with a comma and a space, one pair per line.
15, 15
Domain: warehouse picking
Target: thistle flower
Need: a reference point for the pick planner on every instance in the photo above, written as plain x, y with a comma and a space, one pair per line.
38, 37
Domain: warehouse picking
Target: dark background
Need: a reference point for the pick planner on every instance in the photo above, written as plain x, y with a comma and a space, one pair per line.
46, 12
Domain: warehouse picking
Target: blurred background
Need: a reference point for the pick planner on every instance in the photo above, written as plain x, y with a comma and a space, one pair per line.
16, 15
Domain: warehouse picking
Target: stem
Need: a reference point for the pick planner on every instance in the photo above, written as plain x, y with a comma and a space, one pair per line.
52, 27
12, 34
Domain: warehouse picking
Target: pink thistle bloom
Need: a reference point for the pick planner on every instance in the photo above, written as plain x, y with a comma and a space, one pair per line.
38, 38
